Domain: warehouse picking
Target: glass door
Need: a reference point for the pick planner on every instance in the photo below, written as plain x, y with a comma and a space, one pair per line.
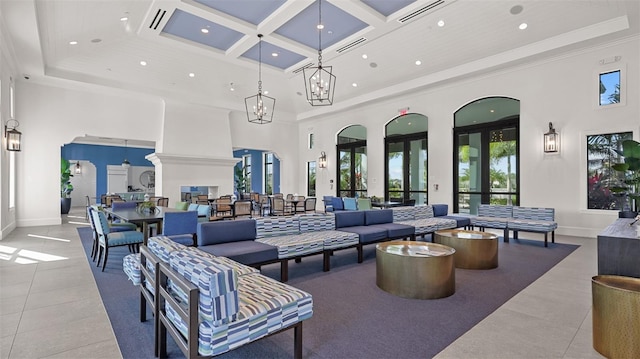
406, 172
352, 175
487, 166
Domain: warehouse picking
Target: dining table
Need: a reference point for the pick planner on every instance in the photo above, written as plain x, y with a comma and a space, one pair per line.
142, 218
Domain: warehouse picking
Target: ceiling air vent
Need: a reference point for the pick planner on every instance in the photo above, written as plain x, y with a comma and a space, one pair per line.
299, 69
351, 45
420, 11
157, 19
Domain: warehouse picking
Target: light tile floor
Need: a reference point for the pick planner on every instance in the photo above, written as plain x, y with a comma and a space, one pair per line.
50, 306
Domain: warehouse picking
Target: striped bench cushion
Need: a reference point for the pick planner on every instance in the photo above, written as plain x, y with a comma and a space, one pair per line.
403, 214
240, 268
333, 239
490, 222
277, 226
266, 306
423, 212
491, 210
131, 267
430, 225
217, 284
530, 225
534, 213
163, 246
294, 245
317, 222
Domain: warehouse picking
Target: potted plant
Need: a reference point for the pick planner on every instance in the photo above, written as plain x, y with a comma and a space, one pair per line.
629, 186
147, 207
65, 186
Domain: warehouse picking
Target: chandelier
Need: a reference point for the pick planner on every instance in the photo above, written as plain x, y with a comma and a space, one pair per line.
260, 107
319, 82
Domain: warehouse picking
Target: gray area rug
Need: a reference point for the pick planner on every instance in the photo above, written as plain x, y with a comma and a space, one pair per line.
352, 317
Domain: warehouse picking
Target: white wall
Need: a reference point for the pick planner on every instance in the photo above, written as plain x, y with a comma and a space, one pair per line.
279, 137
562, 90
52, 116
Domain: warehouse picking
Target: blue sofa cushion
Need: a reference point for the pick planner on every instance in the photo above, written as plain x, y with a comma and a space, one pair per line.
367, 234
336, 204
204, 210
397, 230
350, 204
349, 218
184, 239
440, 210
245, 252
378, 216
226, 231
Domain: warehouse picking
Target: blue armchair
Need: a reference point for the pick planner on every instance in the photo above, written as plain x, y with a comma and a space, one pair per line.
181, 227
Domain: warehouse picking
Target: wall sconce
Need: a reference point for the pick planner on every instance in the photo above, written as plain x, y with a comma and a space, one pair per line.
551, 140
78, 169
13, 136
322, 161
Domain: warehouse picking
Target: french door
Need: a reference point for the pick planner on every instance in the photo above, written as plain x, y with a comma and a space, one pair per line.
352, 169
406, 168
487, 165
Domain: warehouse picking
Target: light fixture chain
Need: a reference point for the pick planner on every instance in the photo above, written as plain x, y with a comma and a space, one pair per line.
320, 34
260, 64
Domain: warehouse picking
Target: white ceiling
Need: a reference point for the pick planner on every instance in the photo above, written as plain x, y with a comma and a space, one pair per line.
478, 35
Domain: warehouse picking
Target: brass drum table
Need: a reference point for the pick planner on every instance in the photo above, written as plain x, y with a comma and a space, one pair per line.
416, 270
474, 250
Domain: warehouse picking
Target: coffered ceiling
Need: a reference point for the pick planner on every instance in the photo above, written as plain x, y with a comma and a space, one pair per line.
206, 51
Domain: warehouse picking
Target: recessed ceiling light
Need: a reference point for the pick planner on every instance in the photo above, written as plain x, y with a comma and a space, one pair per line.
73, 43
418, 62
143, 63
204, 30
441, 23
515, 10
320, 27
191, 74
492, 111
266, 92
523, 26
274, 54
231, 88
354, 84
364, 56
124, 18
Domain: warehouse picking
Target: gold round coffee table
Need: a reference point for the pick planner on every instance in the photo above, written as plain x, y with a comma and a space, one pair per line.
418, 270
474, 250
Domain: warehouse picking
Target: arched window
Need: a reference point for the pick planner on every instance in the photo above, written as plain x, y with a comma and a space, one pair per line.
406, 169
352, 159
486, 154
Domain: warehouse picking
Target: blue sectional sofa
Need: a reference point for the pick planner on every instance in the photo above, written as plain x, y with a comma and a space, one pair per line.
266, 240
372, 226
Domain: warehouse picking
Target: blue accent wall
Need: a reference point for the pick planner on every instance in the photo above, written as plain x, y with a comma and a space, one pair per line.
102, 156
257, 169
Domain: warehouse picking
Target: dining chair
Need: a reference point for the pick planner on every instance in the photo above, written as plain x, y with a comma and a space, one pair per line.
181, 227
223, 206
277, 206
123, 205
310, 204
242, 208
163, 202
264, 204
108, 239
300, 207
88, 204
